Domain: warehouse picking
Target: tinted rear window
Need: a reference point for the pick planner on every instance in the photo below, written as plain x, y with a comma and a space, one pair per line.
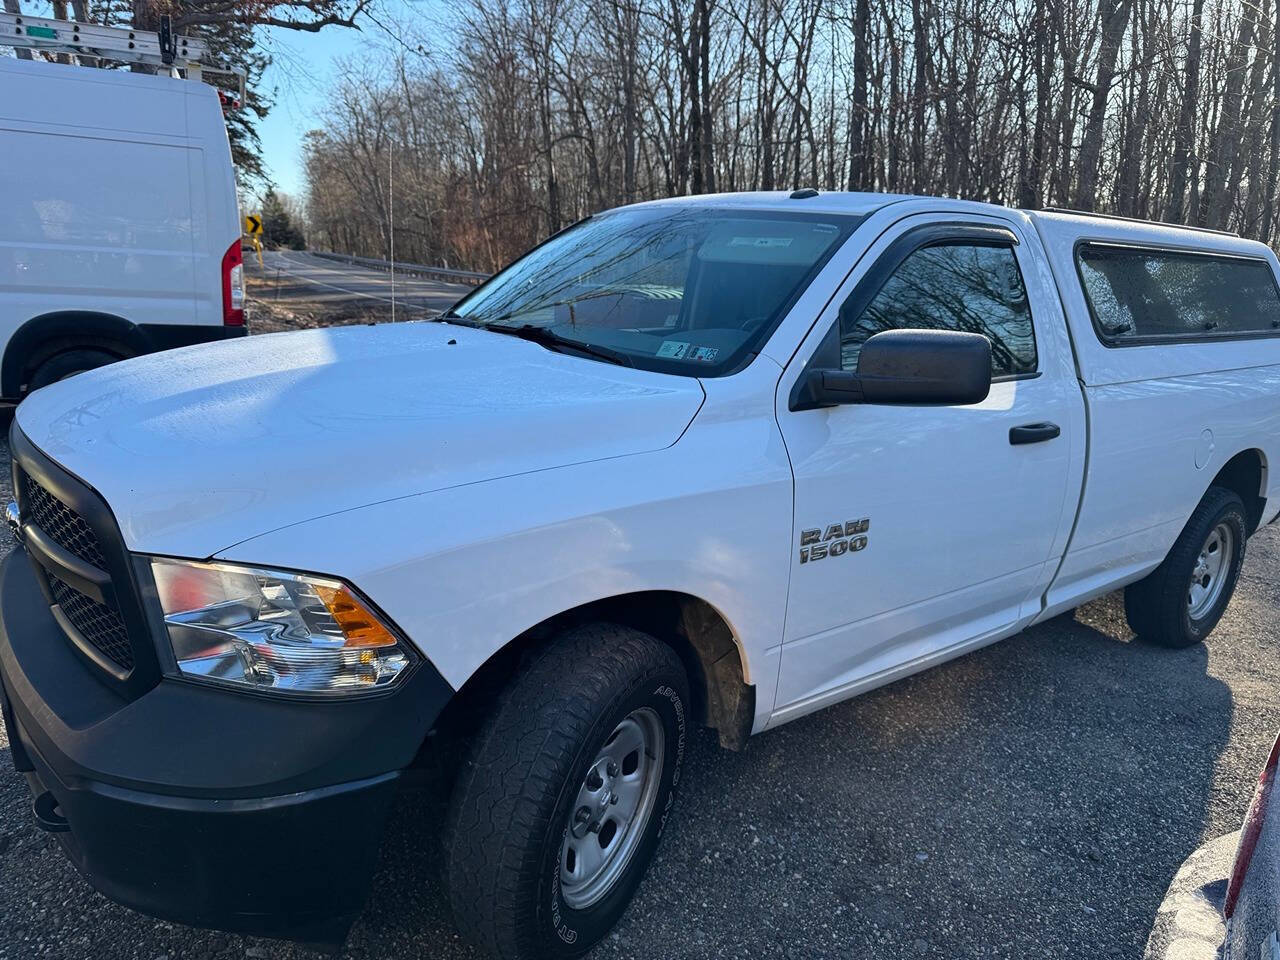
1139, 294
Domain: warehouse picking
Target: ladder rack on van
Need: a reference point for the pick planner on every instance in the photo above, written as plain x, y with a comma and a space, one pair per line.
190, 55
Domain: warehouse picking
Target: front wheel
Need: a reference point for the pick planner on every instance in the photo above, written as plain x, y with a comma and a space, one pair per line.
1181, 602
67, 364
567, 786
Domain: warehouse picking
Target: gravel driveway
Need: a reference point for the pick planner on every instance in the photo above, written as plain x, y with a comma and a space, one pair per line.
1029, 800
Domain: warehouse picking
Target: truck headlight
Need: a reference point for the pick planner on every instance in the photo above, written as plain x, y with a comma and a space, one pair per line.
273, 630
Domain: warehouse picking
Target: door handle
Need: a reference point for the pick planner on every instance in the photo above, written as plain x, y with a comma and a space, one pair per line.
1034, 433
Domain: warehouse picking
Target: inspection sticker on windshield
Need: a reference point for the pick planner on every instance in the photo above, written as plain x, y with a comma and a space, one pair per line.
705, 354
675, 349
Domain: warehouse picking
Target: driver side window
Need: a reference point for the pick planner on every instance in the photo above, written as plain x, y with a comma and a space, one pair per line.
966, 286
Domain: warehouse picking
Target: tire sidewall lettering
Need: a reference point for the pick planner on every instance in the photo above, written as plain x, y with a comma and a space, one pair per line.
565, 932
569, 929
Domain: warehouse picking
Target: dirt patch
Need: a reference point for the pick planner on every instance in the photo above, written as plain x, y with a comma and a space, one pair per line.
272, 310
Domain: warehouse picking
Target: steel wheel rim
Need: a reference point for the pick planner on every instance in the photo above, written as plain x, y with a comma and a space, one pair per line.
1209, 575
612, 809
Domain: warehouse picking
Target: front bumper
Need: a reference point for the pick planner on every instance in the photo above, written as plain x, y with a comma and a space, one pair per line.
240, 812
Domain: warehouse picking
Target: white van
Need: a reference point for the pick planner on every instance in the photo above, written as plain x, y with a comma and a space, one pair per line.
119, 229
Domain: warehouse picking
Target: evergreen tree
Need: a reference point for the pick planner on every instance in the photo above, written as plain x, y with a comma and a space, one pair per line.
278, 228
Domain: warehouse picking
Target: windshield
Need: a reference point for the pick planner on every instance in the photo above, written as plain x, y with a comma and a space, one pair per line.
686, 290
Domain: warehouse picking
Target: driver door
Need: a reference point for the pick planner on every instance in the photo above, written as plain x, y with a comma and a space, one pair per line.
921, 531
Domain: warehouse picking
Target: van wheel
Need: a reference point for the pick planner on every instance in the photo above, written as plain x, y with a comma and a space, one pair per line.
565, 790
1181, 602
68, 364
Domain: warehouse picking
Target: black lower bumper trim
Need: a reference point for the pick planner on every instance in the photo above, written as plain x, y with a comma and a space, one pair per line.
295, 867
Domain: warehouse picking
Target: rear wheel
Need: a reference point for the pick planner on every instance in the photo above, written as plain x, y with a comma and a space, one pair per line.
67, 364
560, 804
1181, 602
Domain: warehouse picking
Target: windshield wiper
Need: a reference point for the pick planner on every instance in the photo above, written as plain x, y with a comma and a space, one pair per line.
546, 337
449, 316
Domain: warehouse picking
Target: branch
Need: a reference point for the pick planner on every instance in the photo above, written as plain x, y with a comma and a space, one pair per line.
306, 26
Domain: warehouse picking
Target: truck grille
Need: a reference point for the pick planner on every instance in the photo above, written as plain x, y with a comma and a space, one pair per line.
63, 525
96, 622
98, 627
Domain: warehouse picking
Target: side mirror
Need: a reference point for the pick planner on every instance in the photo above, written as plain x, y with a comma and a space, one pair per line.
905, 367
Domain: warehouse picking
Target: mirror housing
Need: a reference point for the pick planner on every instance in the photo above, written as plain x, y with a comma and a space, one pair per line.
943, 367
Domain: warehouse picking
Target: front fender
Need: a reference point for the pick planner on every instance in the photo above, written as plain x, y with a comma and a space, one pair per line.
463, 571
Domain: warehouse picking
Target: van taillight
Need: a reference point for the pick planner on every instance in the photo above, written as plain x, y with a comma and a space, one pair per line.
1252, 829
233, 286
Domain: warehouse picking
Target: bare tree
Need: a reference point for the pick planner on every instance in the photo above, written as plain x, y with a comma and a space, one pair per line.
545, 110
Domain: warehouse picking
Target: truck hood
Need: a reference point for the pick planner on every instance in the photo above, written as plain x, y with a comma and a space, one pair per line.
200, 448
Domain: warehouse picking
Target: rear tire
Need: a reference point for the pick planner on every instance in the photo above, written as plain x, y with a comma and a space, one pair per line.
67, 364
560, 803
1182, 600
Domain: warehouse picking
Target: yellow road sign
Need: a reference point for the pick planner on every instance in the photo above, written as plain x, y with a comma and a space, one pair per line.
252, 225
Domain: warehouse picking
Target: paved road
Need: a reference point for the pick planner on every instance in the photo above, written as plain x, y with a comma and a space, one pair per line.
1029, 800
306, 276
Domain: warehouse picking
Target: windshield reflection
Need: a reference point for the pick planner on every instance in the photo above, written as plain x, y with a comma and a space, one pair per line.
681, 289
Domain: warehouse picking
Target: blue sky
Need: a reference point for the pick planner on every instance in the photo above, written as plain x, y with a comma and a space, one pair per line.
302, 69
304, 66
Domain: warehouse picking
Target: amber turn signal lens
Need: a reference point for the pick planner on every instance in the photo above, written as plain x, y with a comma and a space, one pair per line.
359, 626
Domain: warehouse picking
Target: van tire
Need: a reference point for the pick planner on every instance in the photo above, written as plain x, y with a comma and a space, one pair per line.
518, 803
1165, 608
67, 364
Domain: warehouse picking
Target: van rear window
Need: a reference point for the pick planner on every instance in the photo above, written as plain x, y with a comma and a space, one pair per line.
1138, 295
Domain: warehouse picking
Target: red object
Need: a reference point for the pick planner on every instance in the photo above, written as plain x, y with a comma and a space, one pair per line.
1252, 829
231, 316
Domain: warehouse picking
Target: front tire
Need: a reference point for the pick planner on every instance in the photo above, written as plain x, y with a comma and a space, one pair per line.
1180, 603
567, 785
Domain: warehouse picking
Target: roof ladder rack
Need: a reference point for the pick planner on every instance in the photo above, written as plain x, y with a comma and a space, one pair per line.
180, 56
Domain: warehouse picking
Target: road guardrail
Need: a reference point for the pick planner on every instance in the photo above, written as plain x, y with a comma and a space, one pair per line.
469, 277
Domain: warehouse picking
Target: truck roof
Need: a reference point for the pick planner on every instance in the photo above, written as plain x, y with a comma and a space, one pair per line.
864, 204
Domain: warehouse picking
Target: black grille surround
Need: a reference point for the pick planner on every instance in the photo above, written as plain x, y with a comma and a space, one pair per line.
89, 578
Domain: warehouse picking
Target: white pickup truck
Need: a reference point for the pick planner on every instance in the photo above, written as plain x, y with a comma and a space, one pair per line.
722, 460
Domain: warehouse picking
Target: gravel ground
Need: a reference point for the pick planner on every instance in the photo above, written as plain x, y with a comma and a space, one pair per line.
1032, 799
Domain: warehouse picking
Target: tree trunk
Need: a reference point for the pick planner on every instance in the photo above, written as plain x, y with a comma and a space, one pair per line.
1115, 18
859, 155
1032, 186
1184, 134
706, 120
1269, 218
1218, 197
920, 89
